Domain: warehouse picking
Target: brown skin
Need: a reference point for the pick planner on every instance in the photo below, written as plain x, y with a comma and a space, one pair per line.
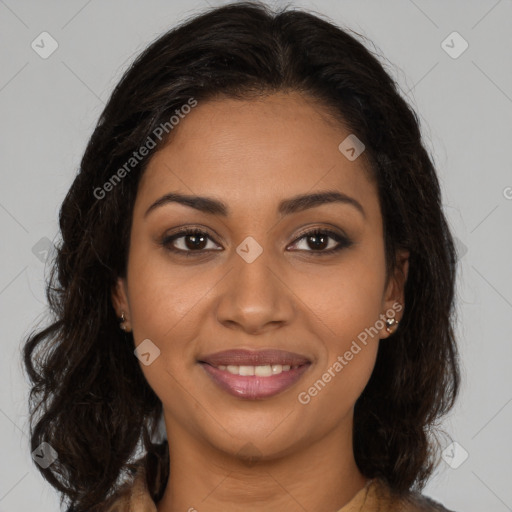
251, 155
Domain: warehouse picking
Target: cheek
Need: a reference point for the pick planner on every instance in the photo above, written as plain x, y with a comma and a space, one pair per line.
162, 296
335, 390
163, 306
346, 305
347, 299
167, 306
346, 315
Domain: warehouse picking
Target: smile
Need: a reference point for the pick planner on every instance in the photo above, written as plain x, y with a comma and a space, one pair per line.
260, 371
277, 371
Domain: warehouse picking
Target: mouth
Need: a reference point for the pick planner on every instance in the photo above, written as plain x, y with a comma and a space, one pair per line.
254, 374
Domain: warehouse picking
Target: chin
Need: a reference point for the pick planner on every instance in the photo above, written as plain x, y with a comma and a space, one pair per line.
266, 438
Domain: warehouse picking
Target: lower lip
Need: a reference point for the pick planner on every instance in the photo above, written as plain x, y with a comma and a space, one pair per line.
251, 386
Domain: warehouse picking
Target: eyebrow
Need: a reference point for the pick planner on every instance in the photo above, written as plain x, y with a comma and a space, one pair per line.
286, 207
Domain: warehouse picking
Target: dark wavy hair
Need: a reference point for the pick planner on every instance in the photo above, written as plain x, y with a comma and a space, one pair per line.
89, 398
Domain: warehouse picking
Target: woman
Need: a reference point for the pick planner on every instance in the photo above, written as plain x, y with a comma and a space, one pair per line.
254, 255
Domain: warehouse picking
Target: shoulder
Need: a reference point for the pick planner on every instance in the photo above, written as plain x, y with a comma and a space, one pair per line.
386, 500
418, 502
132, 496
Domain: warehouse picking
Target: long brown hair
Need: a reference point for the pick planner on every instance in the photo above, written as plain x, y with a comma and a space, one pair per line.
89, 398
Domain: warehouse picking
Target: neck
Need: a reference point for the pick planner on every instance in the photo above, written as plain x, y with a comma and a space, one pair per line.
321, 476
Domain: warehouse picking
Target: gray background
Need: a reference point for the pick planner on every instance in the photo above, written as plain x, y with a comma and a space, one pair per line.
48, 109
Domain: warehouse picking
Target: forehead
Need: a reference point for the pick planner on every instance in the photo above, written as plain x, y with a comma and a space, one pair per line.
253, 153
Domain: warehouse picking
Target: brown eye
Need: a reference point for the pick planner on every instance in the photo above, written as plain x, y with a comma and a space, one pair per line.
187, 242
321, 241
318, 241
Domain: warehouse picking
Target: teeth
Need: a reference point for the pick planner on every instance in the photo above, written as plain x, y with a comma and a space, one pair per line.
263, 371
246, 370
266, 370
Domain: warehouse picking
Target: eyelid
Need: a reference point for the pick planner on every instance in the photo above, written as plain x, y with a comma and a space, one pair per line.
190, 229
322, 229
341, 239
168, 239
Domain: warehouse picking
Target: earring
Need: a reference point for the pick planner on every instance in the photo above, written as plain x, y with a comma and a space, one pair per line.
390, 322
122, 320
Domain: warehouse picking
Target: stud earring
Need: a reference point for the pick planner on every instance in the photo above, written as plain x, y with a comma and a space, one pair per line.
122, 320
390, 322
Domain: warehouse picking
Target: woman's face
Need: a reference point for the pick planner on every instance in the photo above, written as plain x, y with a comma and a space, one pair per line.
254, 280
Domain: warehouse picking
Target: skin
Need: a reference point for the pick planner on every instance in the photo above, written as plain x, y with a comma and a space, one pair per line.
273, 454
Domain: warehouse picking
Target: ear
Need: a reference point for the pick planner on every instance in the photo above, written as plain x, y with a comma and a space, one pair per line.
120, 298
394, 296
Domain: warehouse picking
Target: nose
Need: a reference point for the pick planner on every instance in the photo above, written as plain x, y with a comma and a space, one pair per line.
254, 297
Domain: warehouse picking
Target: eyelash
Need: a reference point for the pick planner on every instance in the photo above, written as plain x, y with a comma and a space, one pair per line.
343, 242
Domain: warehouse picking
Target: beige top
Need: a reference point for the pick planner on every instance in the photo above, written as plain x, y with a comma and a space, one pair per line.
374, 497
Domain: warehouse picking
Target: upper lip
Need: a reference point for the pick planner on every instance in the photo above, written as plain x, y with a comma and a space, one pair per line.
243, 357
